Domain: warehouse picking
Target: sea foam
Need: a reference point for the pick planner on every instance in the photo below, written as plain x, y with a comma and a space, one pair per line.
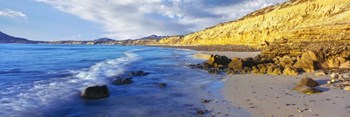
24, 98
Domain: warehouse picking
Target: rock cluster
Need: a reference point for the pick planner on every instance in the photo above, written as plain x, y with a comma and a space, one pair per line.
273, 64
341, 81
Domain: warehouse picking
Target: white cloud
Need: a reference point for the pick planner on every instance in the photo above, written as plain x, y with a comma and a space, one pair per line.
12, 14
125, 19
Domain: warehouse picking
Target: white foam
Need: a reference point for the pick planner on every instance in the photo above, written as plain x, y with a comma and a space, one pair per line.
28, 96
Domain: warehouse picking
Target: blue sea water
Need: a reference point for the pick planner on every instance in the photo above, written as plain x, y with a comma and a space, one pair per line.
46, 80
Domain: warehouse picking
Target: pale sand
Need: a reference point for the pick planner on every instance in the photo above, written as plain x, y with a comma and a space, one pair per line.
267, 95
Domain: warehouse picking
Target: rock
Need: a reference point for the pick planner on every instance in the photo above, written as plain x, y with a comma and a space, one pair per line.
321, 73
306, 81
138, 73
213, 71
345, 65
290, 71
273, 70
346, 75
308, 62
162, 85
307, 90
334, 76
123, 80
200, 112
333, 63
248, 62
236, 64
347, 88
286, 61
329, 82
333, 80
95, 92
262, 68
219, 61
255, 70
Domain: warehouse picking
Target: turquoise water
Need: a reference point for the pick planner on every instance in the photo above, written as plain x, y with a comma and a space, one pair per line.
46, 80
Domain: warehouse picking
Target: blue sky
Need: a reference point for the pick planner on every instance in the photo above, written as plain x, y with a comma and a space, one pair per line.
119, 19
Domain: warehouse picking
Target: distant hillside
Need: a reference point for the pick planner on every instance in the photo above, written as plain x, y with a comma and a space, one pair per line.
293, 21
4, 38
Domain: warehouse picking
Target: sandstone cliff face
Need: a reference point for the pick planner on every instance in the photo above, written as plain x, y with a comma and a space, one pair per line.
295, 21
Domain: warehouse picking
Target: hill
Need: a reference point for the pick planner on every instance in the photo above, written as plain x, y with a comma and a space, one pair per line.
4, 38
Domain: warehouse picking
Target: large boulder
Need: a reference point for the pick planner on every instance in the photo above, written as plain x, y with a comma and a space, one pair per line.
95, 92
236, 64
308, 62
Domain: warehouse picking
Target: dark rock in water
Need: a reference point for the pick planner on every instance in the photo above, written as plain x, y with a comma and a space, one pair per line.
306, 81
138, 73
162, 85
123, 80
200, 112
95, 92
205, 101
213, 71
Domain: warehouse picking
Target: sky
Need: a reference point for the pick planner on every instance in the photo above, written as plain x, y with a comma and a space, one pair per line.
52, 20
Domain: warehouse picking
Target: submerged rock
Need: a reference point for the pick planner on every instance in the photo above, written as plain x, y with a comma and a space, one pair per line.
122, 80
138, 73
95, 92
162, 85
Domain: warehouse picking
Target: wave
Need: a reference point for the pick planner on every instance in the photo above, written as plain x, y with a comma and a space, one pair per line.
27, 98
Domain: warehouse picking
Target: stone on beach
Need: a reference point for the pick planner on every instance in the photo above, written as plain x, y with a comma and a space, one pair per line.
307, 90
306, 81
306, 85
95, 92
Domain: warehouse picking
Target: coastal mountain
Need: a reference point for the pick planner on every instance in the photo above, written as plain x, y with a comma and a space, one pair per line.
293, 21
4, 38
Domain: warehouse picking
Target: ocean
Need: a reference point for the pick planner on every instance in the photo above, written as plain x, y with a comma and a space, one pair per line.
46, 80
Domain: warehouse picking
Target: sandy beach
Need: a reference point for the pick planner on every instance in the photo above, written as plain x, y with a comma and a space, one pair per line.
272, 96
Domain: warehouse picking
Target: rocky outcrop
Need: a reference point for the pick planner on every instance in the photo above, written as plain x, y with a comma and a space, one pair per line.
95, 92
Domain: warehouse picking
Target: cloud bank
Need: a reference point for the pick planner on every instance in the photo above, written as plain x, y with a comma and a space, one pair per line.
125, 19
12, 14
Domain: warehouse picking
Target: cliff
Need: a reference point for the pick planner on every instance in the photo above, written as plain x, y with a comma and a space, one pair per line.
294, 21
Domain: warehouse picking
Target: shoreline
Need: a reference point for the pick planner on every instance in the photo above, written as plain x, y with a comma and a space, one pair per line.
270, 95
